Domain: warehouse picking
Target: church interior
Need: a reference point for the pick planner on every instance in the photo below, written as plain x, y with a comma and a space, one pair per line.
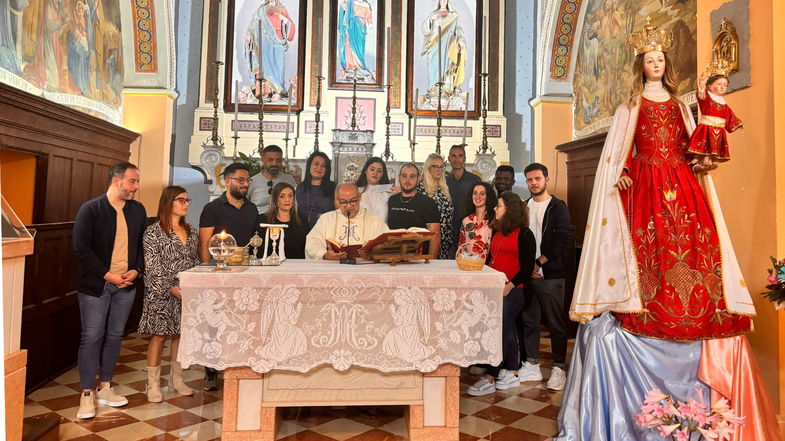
181, 89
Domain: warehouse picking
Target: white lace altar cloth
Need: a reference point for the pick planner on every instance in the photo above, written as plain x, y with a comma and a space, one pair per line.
302, 314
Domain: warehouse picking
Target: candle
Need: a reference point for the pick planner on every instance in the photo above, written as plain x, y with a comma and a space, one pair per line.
288, 111
485, 34
414, 128
465, 118
259, 46
297, 128
319, 33
439, 78
389, 57
236, 104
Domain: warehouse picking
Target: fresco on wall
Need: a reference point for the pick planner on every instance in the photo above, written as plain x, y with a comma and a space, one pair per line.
603, 71
69, 51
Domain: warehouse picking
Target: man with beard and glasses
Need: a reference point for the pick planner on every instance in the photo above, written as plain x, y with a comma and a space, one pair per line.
262, 184
235, 215
410, 208
549, 220
504, 179
107, 238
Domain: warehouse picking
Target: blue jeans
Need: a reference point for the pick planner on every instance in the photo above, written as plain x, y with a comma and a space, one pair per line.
103, 323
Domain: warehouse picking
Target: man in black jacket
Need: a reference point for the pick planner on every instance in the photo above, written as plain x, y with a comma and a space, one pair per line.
549, 220
107, 238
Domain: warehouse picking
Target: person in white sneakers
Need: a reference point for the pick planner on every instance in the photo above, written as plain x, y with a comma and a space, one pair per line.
107, 238
549, 220
512, 251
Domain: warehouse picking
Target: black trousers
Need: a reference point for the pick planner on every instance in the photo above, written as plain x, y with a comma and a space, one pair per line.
512, 306
544, 303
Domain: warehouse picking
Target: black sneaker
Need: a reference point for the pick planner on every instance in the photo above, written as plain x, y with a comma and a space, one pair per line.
210, 379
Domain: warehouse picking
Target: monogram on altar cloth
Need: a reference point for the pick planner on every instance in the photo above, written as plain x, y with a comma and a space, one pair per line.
316, 333
305, 314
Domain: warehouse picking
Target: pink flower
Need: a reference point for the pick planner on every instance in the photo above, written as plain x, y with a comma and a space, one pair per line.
655, 396
732, 418
773, 279
667, 430
720, 406
708, 433
724, 431
682, 435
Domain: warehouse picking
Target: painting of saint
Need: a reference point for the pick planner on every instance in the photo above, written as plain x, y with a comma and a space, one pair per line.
266, 39
445, 36
69, 51
356, 43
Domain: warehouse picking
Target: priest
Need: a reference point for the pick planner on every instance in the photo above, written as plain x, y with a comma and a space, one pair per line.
347, 225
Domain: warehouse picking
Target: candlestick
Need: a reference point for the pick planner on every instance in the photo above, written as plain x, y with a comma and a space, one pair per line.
236, 116
288, 120
214, 140
319, 79
465, 119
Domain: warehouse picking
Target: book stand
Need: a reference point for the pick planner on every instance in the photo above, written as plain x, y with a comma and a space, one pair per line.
406, 247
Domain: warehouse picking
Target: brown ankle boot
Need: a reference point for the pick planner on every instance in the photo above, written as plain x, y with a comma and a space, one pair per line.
177, 379
153, 390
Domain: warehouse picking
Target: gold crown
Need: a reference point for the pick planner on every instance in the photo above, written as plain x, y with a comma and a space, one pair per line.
719, 66
650, 38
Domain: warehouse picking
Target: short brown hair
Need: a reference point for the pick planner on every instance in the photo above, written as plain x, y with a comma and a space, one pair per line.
516, 214
165, 209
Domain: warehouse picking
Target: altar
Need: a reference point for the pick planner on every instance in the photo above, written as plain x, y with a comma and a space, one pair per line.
316, 333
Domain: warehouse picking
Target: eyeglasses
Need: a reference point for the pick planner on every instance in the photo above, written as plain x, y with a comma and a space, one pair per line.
269, 187
344, 203
240, 180
183, 200
438, 167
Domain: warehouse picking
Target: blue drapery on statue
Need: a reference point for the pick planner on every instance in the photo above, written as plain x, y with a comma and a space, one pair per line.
610, 374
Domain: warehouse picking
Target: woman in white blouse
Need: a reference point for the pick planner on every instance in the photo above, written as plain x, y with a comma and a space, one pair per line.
375, 186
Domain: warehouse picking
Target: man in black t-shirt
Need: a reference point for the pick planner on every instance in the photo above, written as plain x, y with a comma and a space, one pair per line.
410, 208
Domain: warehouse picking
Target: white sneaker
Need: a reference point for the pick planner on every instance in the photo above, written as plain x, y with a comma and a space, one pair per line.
477, 370
530, 372
481, 387
86, 406
557, 380
507, 381
108, 397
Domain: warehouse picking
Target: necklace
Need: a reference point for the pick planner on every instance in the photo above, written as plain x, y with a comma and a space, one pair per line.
400, 195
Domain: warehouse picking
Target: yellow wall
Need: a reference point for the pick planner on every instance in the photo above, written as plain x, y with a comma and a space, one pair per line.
150, 114
552, 126
747, 185
17, 182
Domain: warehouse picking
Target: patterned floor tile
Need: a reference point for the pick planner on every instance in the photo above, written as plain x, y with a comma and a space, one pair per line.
526, 412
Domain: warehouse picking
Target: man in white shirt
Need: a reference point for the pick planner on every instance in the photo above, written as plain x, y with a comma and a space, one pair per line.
348, 224
549, 220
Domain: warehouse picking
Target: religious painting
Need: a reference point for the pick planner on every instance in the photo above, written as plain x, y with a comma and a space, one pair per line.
364, 113
266, 40
603, 72
357, 44
444, 56
68, 51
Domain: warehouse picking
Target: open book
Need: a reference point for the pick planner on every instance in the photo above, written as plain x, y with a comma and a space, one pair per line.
356, 249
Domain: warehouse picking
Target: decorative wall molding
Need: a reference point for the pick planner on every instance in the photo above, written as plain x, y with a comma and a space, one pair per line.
145, 46
563, 40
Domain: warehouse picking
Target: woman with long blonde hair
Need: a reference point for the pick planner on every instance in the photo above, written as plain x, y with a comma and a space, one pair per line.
434, 185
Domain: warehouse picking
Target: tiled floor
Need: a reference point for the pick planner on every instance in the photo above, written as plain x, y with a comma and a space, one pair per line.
527, 412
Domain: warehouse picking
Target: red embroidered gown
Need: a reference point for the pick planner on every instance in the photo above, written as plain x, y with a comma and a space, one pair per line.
674, 236
710, 137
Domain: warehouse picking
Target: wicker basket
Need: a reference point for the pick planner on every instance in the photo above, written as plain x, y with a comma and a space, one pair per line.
469, 264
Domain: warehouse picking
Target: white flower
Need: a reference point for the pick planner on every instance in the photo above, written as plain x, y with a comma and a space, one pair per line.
455, 336
246, 299
232, 338
490, 340
212, 349
341, 360
444, 300
471, 348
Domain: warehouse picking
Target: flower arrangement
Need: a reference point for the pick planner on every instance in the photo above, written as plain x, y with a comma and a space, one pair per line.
681, 420
776, 286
